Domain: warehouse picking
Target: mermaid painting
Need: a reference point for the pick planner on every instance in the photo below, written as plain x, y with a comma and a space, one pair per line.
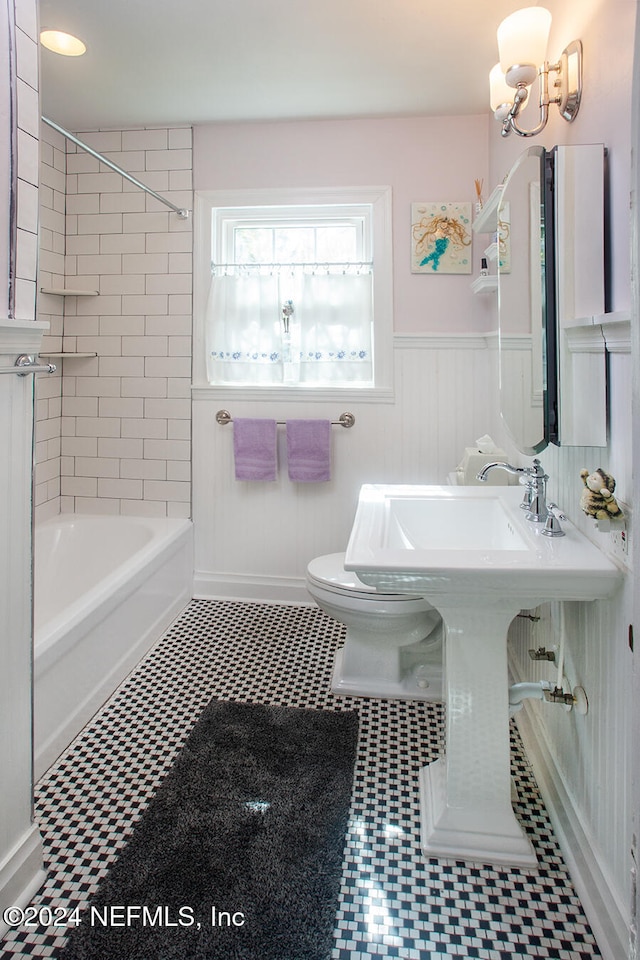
441, 238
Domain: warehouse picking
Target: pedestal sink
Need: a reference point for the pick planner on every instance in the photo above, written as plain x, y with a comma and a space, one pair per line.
473, 554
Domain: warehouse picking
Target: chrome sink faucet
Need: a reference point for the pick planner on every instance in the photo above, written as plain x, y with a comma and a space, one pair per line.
534, 479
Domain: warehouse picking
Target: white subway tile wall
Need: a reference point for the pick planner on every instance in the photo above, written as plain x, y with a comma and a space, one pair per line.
114, 430
26, 38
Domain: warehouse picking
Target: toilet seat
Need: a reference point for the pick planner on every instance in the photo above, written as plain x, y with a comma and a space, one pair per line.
328, 574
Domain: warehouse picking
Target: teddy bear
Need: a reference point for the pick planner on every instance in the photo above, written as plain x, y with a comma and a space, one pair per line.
597, 499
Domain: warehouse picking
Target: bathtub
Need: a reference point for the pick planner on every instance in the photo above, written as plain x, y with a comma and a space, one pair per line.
105, 589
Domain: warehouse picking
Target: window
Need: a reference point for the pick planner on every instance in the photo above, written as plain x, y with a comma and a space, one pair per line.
297, 293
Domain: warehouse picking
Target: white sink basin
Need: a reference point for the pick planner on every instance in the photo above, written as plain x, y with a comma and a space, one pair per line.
436, 522
435, 540
474, 555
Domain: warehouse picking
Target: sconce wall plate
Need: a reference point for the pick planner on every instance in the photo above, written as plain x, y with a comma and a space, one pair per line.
570, 79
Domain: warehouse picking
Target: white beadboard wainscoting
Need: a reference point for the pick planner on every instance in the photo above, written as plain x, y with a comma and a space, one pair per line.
254, 540
581, 761
21, 854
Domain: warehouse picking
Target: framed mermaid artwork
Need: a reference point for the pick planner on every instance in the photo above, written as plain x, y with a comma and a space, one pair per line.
440, 237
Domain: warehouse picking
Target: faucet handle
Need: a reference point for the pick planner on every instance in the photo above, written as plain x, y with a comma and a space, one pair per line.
552, 526
527, 496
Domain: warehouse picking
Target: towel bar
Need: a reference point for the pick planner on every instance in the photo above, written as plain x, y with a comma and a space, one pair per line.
344, 420
26, 364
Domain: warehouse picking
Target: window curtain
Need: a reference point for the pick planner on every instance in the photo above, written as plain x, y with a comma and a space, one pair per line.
243, 324
327, 339
335, 327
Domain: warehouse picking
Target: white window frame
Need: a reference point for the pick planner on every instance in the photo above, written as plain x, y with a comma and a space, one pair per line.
231, 217
380, 200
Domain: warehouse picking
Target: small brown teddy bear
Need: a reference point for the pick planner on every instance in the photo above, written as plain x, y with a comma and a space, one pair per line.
597, 499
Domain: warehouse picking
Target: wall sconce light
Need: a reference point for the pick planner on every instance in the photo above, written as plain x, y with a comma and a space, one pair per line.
522, 45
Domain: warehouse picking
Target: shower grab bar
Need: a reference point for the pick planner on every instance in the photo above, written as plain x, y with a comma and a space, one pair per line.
344, 420
26, 364
114, 166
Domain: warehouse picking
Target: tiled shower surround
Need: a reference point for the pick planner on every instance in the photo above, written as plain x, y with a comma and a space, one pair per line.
393, 902
113, 430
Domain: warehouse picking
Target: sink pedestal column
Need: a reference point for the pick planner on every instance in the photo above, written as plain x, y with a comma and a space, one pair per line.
465, 797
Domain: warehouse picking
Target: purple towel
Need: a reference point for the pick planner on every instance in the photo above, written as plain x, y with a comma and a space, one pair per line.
254, 449
309, 450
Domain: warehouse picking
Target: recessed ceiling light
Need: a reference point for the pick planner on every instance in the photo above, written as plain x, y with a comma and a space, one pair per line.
63, 43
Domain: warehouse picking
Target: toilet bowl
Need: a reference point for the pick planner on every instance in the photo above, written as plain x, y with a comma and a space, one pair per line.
393, 644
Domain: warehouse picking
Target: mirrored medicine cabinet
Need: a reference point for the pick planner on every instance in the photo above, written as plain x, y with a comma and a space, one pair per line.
548, 225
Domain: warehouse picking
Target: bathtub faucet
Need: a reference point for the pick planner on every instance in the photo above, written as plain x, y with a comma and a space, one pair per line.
534, 479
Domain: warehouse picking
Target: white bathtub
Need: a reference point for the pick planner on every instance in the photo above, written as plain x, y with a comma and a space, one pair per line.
105, 589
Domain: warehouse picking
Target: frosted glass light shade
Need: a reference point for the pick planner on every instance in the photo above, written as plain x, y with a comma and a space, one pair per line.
500, 93
522, 41
62, 43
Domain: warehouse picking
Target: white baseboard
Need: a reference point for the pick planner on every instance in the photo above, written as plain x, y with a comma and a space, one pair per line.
22, 873
229, 586
606, 915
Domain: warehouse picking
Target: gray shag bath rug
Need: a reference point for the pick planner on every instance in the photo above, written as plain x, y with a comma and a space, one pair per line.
238, 856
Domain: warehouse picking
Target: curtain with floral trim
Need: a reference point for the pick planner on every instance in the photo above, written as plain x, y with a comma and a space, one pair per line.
291, 325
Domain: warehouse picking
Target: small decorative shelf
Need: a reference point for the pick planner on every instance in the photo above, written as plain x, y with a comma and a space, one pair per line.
67, 356
485, 284
69, 292
487, 219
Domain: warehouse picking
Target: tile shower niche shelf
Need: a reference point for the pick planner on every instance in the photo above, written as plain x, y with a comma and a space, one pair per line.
69, 292
68, 356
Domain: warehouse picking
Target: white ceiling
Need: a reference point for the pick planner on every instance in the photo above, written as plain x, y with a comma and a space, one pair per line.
155, 62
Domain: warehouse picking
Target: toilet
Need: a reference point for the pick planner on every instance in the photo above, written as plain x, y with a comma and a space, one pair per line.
393, 645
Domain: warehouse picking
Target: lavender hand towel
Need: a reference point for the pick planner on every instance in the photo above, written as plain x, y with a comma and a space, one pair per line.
309, 450
254, 449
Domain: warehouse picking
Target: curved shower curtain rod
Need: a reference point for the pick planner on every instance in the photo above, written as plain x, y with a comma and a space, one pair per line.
114, 166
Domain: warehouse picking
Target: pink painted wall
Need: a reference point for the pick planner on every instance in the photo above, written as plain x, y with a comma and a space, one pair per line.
420, 158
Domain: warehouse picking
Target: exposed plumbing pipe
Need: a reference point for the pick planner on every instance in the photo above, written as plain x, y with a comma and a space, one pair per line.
560, 679
544, 689
528, 690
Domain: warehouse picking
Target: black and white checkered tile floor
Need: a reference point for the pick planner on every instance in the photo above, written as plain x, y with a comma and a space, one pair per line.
393, 903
